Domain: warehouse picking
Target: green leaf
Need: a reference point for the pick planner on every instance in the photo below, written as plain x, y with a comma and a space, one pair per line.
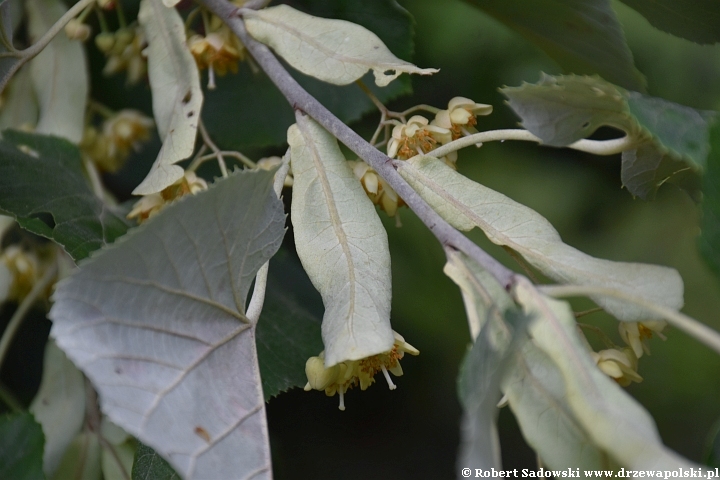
157, 323
564, 109
683, 131
695, 20
247, 110
42, 185
342, 245
672, 140
583, 36
21, 447
709, 240
645, 169
59, 405
148, 465
287, 333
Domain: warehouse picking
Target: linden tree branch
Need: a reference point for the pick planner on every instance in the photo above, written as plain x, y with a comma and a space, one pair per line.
302, 100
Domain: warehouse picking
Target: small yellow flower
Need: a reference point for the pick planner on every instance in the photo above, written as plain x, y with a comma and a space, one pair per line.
120, 133
415, 137
219, 50
151, 204
268, 163
379, 192
635, 334
461, 116
346, 375
620, 365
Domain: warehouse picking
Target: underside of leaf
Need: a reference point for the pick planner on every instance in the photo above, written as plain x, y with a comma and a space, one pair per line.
157, 323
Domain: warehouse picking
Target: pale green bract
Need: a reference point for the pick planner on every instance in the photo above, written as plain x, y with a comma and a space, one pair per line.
59, 75
342, 245
466, 204
157, 323
612, 419
533, 384
59, 405
334, 51
177, 96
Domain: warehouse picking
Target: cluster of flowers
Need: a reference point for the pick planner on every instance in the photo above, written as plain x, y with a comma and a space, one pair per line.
219, 50
622, 364
123, 49
346, 375
22, 262
151, 204
417, 137
110, 145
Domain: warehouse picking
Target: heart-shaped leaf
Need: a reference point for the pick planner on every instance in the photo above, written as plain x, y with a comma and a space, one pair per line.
157, 322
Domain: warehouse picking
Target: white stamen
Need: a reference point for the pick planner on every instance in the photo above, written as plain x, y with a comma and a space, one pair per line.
391, 385
342, 401
211, 78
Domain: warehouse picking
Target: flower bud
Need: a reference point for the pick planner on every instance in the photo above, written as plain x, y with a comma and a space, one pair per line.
76, 30
105, 41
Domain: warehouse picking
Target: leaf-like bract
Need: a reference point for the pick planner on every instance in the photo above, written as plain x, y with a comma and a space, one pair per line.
466, 204
613, 420
157, 323
21, 447
485, 365
177, 96
342, 245
43, 186
59, 405
20, 109
533, 384
239, 97
59, 75
583, 36
536, 394
335, 51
